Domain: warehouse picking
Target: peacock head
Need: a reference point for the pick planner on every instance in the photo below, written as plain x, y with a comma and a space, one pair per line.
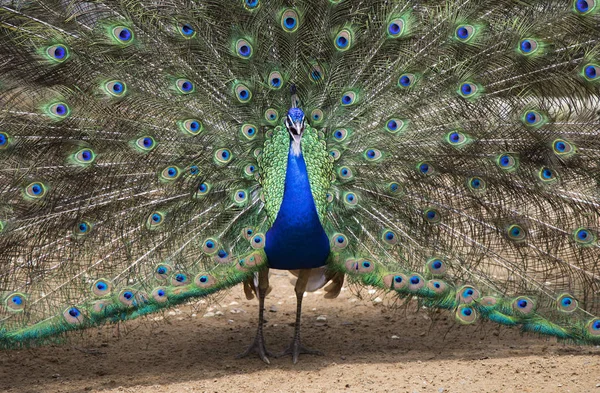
295, 124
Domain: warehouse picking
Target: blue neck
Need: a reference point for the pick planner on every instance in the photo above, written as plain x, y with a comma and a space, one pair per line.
297, 239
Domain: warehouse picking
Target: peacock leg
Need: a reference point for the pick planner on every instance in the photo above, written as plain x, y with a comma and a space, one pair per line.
296, 348
258, 345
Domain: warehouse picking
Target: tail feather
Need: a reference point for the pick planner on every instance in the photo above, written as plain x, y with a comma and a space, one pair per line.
463, 137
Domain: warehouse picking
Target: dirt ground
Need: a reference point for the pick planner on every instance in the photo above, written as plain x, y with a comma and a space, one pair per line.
368, 348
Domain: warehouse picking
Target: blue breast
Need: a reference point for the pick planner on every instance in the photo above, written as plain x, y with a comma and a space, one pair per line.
296, 240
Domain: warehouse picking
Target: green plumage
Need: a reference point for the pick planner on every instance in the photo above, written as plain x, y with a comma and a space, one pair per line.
451, 150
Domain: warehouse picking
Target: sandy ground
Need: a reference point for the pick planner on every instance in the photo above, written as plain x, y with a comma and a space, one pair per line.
368, 348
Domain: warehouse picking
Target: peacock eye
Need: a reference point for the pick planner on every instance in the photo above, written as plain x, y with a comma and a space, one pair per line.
115, 88
349, 98
528, 46
251, 4
345, 173
243, 49
59, 110
249, 131
584, 6
340, 241
406, 80
340, 134
343, 40
35, 190
242, 93
222, 156
271, 115
372, 155
316, 73
85, 156
464, 33
203, 189
122, 34
257, 241
425, 168
316, 116
170, 173
187, 31
533, 118
4, 140
507, 162
591, 72
240, 197
275, 80
395, 28
350, 199
289, 21
394, 125
191, 126
58, 53
185, 86
468, 89
145, 143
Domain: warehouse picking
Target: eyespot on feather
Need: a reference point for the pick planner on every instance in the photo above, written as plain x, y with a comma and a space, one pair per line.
395, 28
290, 21
160, 295
343, 40
15, 302
271, 115
204, 281
84, 156
275, 80
187, 31
73, 316
396, 282
35, 190
350, 199
58, 53
465, 314
179, 279
122, 35
58, 111
155, 220
127, 297
438, 287
101, 287
467, 294
162, 271
389, 237
593, 327
339, 241
82, 228
222, 156
436, 266
185, 86
257, 241
243, 49
566, 303
145, 144
516, 233
249, 131
191, 126
115, 88
170, 173
523, 305
316, 116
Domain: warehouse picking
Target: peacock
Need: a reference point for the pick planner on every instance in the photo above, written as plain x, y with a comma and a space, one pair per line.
155, 152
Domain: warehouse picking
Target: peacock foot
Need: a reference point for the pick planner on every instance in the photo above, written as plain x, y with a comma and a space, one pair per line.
258, 347
296, 348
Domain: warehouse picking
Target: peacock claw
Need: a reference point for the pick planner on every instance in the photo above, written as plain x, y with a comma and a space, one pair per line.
258, 347
295, 349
